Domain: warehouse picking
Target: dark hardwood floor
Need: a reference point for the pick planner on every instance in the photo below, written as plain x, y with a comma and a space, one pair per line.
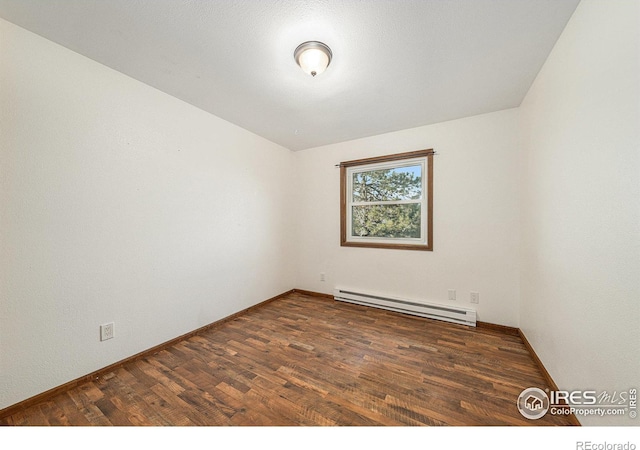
304, 360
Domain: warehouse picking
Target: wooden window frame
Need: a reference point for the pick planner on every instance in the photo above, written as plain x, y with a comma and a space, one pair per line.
344, 166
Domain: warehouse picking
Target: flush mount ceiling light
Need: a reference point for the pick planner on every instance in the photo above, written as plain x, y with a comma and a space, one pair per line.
313, 57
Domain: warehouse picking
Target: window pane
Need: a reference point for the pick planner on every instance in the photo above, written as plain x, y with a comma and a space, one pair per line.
386, 221
401, 183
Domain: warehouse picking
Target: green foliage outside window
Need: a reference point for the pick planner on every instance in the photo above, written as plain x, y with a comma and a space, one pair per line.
373, 216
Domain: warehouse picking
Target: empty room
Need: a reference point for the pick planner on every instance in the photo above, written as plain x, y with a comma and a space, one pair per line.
320, 213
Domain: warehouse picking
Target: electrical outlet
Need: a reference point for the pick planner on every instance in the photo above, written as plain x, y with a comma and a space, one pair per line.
452, 294
106, 331
322, 277
475, 297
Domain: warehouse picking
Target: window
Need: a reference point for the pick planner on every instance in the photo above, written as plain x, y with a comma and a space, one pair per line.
387, 201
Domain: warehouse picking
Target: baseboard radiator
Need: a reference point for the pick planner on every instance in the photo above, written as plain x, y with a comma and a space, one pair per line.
448, 313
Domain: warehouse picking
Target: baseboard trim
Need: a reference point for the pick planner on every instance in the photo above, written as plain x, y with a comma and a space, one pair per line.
501, 328
552, 384
545, 374
313, 294
10, 410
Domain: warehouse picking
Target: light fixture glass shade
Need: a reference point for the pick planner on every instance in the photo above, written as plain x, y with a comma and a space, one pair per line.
313, 57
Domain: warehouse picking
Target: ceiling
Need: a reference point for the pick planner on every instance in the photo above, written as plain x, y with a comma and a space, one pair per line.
396, 64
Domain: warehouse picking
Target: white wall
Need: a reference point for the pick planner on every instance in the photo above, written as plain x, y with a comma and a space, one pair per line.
581, 204
476, 218
120, 203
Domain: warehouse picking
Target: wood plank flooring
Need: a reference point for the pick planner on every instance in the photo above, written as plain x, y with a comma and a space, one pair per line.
304, 360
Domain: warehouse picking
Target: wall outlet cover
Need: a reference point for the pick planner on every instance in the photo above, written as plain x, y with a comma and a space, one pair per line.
107, 331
